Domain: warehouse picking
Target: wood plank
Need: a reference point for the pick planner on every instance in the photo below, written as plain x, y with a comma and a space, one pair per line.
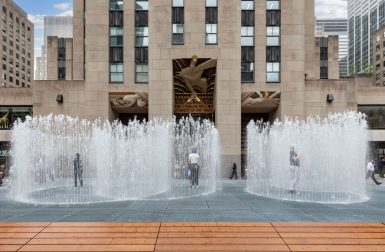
101, 229
17, 235
331, 241
334, 235
83, 248
20, 229
95, 235
7, 241
9, 248
218, 235
327, 224
264, 248
104, 224
93, 241
216, 224
24, 224
346, 248
330, 229
217, 229
219, 241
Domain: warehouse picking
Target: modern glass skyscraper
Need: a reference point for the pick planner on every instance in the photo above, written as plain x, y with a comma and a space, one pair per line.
338, 27
364, 18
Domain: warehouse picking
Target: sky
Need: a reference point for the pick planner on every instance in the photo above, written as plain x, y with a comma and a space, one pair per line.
37, 9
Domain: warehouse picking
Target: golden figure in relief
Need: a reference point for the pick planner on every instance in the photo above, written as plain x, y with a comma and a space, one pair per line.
192, 76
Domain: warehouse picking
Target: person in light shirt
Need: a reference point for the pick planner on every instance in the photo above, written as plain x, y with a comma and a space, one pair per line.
193, 160
370, 172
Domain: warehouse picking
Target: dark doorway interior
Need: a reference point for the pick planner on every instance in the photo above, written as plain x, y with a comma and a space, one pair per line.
246, 118
126, 117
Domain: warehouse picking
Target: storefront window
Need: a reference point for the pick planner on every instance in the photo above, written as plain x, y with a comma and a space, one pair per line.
375, 115
8, 115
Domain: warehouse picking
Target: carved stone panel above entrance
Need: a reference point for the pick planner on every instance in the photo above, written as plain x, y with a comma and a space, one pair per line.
194, 85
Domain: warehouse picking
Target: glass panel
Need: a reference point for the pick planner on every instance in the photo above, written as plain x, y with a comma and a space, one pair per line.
177, 3
276, 67
247, 31
117, 68
141, 68
272, 5
141, 31
247, 5
142, 77
211, 28
247, 41
116, 41
141, 41
116, 77
178, 39
272, 77
141, 5
177, 28
272, 31
211, 38
116, 31
211, 3
116, 5
272, 41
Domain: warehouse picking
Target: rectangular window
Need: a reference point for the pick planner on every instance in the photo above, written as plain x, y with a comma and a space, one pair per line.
211, 34
116, 5
142, 41
141, 73
273, 36
273, 5
273, 72
247, 41
116, 41
116, 73
177, 22
211, 22
141, 38
273, 41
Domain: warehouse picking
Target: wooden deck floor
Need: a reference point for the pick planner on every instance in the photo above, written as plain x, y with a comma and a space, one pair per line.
192, 237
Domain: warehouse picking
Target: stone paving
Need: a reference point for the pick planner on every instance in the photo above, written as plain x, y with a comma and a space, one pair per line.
229, 204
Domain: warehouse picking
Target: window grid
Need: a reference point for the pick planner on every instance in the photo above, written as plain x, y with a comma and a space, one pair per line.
141, 41
177, 22
116, 73
273, 41
211, 37
247, 42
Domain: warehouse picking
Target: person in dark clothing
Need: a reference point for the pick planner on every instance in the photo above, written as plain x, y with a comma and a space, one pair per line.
294, 168
234, 171
381, 166
78, 170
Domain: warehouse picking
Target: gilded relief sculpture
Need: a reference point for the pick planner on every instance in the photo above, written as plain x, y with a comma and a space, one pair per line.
193, 77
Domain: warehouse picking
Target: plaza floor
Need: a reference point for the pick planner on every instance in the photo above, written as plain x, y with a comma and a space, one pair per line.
229, 204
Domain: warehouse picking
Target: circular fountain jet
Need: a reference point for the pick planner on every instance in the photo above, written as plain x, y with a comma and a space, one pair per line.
143, 160
314, 160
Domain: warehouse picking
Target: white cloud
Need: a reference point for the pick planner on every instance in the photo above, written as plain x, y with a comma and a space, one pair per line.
63, 6
331, 8
37, 20
66, 13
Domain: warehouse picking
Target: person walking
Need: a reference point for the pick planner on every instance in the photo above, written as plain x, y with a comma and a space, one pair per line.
234, 171
193, 160
294, 167
370, 172
78, 170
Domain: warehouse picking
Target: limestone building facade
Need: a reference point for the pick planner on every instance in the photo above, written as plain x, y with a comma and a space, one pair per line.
17, 42
226, 60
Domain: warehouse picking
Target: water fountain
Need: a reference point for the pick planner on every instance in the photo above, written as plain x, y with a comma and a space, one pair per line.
331, 152
143, 160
